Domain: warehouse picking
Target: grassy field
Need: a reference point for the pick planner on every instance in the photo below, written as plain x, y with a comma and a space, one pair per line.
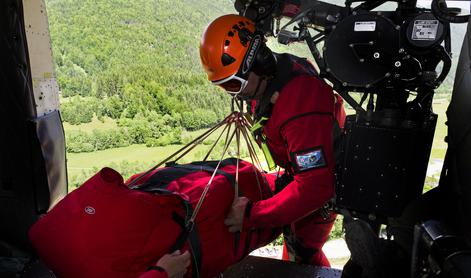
81, 161
107, 123
136, 158
81, 165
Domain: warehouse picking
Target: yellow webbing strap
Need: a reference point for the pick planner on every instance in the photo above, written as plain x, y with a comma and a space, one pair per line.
262, 141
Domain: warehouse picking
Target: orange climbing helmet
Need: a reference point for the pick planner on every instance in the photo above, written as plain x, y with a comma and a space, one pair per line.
228, 50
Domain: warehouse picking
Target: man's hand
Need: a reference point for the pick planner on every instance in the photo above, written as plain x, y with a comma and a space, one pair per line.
175, 264
235, 218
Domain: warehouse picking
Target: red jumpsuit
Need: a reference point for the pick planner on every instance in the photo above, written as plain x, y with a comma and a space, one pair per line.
299, 134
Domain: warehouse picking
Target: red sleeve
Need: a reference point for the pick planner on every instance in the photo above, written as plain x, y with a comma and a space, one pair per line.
312, 188
154, 274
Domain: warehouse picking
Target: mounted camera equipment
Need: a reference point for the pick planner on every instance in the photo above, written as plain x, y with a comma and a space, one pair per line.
438, 252
392, 58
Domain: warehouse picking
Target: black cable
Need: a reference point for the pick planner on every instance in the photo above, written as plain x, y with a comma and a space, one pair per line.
446, 59
442, 15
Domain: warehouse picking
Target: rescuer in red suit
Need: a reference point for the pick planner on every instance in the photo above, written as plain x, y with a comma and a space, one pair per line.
298, 114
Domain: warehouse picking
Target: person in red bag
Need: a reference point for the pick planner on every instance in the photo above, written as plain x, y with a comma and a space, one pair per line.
298, 114
109, 227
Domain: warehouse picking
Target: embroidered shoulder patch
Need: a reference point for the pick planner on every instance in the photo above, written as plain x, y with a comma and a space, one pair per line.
309, 159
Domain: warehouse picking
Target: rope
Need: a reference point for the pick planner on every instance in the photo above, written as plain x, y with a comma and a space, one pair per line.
196, 141
215, 143
241, 130
206, 188
236, 188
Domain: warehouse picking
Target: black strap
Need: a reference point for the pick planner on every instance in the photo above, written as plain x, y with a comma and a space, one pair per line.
213, 163
162, 178
287, 68
282, 181
189, 233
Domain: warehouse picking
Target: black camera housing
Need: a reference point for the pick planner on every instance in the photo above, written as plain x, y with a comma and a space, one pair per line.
382, 167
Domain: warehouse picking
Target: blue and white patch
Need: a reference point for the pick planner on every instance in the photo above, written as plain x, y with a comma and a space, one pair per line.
309, 159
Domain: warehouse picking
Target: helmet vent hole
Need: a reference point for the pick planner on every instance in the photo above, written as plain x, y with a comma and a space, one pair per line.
230, 34
236, 27
241, 23
227, 59
245, 36
227, 42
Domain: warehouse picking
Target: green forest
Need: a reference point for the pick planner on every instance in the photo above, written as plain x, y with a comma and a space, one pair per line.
136, 62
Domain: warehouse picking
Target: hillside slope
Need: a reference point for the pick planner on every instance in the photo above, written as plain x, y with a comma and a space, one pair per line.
135, 55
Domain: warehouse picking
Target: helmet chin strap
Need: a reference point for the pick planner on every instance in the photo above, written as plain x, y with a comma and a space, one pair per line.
260, 80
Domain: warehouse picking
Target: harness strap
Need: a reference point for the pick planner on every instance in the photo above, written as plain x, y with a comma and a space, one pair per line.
162, 178
288, 67
213, 163
189, 233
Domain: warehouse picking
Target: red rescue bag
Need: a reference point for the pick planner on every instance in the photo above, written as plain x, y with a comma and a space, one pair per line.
106, 229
